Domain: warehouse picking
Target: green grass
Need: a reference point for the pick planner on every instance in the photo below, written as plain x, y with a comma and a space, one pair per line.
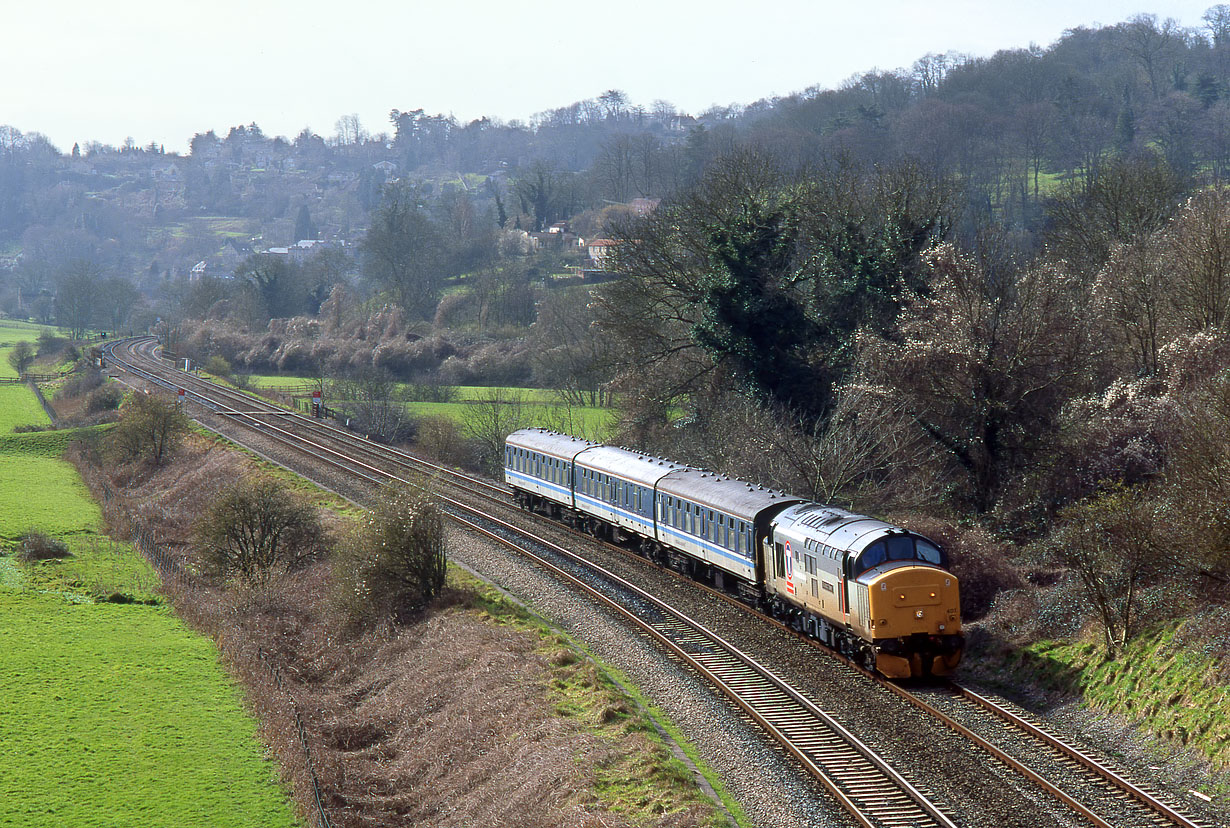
279, 380
19, 406
51, 444
13, 331
117, 715
464, 392
100, 570
593, 423
45, 494
542, 405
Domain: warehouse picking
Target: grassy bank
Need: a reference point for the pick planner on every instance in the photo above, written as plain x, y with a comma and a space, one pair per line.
641, 784
40, 491
1164, 684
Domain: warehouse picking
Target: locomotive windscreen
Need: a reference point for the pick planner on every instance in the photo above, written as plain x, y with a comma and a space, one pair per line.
899, 548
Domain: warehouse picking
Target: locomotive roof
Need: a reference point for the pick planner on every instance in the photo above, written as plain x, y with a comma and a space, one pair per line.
627, 464
734, 497
548, 442
833, 526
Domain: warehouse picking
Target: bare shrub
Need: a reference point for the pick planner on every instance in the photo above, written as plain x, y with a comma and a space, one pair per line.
150, 429
372, 403
395, 562
218, 366
1114, 545
106, 398
430, 392
21, 356
256, 528
49, 344
82, 383
35, 546
441, 438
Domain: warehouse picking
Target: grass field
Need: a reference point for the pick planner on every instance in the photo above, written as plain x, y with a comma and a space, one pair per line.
118, 715
542, 405
19, 406
111, 714
42, 493
12, 332
591, 423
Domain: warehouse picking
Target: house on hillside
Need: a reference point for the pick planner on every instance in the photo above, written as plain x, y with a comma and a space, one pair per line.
388, 169
600, 251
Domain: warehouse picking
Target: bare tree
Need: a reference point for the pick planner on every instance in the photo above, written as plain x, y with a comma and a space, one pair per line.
487, 422
982, 365
21, 356
76, 299
1130, 299
349, 130
372, 403
1110, 544
570, 355
1217, 20
1199, 254
1151, 45
149, 428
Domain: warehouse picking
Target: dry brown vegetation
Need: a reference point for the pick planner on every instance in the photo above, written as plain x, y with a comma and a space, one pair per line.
464, 716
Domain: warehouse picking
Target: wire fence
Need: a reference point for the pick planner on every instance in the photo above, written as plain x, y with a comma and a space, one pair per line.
174, 574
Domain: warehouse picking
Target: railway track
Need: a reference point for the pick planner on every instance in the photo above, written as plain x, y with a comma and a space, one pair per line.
862, 782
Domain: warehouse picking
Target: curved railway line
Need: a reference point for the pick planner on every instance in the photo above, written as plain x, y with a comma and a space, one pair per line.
862, 782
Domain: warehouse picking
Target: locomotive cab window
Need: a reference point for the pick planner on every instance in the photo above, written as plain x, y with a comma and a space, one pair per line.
897, 548
900, 547
930, 553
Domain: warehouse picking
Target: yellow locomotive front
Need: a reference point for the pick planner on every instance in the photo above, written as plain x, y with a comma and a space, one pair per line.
910, 616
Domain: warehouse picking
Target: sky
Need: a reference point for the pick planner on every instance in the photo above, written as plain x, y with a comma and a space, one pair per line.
162, 70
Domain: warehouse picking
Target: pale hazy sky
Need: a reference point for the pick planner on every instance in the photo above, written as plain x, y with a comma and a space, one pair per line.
162, 70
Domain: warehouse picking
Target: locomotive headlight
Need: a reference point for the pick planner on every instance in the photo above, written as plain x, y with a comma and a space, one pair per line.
918, 614
933, 595
901, 596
